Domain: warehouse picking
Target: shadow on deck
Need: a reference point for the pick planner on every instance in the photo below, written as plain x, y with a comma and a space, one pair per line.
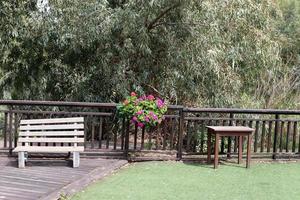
48, 180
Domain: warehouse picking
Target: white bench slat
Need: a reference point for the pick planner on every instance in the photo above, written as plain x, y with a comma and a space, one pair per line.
51, 133
52, 127
53, 121
46, 149
58, 140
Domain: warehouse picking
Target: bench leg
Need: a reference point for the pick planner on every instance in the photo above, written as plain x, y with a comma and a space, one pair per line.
76, 159
21, 159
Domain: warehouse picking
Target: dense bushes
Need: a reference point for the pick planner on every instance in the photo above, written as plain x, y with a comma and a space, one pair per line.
206, 53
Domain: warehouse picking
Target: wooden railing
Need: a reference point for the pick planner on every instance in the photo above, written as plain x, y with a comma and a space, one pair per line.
183, 130
276, 131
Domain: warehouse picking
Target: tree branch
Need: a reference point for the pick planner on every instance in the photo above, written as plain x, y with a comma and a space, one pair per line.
161, 15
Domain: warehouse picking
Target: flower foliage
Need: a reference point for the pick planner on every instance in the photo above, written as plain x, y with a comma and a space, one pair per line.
144, 110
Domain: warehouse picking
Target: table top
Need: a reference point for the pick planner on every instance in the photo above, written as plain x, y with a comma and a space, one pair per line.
230, 128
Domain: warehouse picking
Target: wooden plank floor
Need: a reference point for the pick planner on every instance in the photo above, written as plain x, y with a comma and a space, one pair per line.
47, 179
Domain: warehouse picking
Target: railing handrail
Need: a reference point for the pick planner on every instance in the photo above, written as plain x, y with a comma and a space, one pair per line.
103, 114
175, 107
67, 103
57, 103
243, 111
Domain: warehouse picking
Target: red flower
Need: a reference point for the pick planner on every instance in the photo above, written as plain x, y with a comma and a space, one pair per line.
133, 94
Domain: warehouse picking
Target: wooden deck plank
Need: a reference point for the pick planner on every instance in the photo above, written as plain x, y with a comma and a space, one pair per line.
46, 180
20, 190
23, 184
32, 174
58, 172
23, 181
7, 195
30, 179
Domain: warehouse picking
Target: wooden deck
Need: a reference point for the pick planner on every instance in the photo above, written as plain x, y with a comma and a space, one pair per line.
48, 179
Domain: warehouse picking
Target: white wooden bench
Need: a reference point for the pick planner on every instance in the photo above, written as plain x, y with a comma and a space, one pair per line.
36, 136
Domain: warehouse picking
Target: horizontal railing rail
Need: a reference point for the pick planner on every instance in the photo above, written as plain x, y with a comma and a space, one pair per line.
67, 104
56, 103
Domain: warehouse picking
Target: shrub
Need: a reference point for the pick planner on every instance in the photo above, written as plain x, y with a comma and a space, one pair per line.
142, 111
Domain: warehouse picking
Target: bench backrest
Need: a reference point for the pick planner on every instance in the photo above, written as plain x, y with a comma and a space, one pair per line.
67, 131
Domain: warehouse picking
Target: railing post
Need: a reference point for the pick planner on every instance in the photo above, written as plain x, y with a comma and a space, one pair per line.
16, 124
123, 133
85, 132
127, 137
10, 137
5, 129
180, 134
231, 116
275, 136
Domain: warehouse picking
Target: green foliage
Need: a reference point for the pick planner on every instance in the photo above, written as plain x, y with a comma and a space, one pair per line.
205, 53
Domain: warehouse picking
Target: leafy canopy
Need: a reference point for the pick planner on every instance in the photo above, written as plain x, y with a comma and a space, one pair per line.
205, 53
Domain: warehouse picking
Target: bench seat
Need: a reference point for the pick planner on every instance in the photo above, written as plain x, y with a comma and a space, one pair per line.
42, 149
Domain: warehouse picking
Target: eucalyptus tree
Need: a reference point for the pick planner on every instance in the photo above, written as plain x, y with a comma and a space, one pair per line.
87, 50
206, 53
289, 29
12, 23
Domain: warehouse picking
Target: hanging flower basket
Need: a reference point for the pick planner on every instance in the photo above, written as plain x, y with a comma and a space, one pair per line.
143, 111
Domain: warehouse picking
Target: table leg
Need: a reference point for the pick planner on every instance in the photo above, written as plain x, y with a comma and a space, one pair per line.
216, 158
208, 147
249, 151
240, 149
229, 147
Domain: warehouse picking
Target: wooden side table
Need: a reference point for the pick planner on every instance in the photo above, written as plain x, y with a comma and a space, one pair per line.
219, 131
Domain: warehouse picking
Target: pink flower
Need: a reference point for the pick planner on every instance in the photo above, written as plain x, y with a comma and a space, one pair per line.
140, 124
133, 94
134, 119
147, 119
160, 103
140, 112
153, 116
150, 97
143, 97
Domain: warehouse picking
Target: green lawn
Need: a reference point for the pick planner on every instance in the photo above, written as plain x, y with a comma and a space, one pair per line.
171, 180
